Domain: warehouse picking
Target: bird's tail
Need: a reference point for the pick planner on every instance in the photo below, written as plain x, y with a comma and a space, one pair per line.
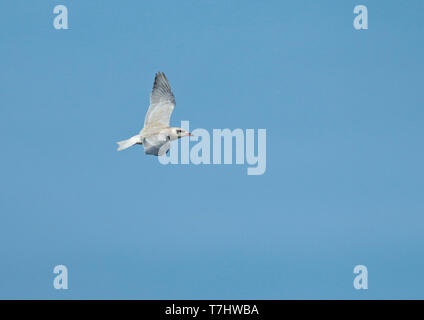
122, 145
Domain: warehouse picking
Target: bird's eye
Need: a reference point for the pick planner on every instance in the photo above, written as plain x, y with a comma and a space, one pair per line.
178, 131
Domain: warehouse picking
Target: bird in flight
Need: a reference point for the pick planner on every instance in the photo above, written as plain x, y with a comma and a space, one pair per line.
156, 136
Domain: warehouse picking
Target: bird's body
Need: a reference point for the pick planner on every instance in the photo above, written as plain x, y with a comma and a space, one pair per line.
156, 136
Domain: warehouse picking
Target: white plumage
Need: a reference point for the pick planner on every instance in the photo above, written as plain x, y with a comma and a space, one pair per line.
156, 136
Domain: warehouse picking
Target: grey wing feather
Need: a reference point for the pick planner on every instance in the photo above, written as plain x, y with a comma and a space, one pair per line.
156, 145
162, 102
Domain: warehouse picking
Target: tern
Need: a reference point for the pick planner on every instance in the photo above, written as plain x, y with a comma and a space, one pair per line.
156, 136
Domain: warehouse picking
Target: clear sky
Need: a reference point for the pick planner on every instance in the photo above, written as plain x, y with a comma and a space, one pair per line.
344, 184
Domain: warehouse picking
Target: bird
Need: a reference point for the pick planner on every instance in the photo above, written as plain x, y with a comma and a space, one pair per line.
156, 135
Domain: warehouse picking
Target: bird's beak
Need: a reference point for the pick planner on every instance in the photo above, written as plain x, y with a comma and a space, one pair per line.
190, 135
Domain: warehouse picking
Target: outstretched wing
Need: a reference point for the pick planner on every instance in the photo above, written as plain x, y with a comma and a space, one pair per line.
156, 145
162, 103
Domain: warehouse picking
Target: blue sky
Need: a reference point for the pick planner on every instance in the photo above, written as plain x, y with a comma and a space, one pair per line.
343, 110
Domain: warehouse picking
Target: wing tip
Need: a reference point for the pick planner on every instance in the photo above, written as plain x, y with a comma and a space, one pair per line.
160, 74
161, 81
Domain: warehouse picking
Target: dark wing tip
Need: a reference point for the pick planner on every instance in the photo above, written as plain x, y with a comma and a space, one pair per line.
159, 74
161, 89
158, 77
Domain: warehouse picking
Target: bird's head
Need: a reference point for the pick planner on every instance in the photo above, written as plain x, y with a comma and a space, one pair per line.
179, 132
